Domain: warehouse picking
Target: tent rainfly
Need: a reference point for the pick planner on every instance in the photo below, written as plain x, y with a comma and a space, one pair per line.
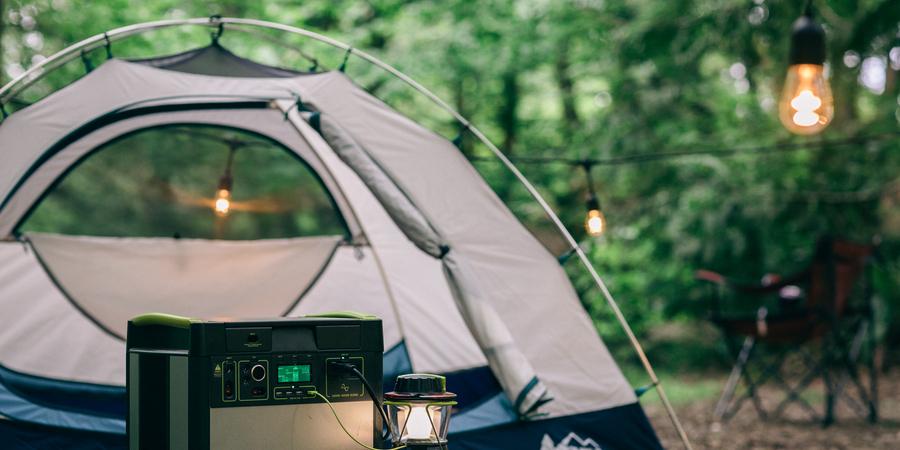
462, 287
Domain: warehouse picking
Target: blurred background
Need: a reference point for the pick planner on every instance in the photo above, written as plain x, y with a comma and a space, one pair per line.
674, 102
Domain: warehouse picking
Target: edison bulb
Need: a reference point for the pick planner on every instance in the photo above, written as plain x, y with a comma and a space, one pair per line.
806, 104
418, 426
223, 202
595, 222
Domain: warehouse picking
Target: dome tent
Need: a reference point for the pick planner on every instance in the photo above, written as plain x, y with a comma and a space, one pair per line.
462, 287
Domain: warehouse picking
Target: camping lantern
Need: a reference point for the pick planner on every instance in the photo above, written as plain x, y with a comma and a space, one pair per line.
419, 410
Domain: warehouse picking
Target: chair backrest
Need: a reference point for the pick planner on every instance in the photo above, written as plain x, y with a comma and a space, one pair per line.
837, 267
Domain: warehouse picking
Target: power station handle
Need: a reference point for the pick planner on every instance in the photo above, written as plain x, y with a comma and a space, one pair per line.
168, 320
343, 315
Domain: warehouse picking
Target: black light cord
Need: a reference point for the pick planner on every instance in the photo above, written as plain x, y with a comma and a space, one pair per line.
719, 152
640, 158
371, 393
807, 10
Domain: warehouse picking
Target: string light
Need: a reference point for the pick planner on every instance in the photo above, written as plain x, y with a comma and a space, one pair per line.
222, 204
594, 221
806, 105
223, 196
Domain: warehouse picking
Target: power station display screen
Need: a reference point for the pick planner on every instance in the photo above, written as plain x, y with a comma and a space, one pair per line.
294, 374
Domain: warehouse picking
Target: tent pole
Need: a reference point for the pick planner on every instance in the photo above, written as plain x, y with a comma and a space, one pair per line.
38, 71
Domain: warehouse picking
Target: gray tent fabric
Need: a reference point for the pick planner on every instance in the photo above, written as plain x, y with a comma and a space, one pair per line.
216, 60
495, 261
521, 281
395, 202
512, 369
198, 278
509, 365
424, 307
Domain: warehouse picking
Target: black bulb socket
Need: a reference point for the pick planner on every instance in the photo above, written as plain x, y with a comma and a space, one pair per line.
807, 42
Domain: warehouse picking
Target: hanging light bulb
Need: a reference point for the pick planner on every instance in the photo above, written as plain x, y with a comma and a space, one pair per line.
222, 203
223, 196
806, 105
595, 221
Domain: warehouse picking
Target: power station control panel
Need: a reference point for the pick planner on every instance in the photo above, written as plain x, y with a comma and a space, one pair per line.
259, 379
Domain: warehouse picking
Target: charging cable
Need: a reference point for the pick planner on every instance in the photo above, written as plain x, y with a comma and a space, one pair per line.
355, 371
333, 411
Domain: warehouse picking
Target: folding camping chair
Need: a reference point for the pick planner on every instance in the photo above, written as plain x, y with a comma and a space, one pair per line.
820, 319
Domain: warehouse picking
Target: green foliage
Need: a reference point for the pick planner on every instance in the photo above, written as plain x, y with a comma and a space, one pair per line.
598, 78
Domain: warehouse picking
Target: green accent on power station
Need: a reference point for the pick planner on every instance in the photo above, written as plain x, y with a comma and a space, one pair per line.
410, 403
168, 320
343, 315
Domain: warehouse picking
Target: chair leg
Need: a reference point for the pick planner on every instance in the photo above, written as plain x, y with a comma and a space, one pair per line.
793, 393
868, 397
737, 372
873, 376
865, 406
844, 354
829, 386
873, 393
752, 393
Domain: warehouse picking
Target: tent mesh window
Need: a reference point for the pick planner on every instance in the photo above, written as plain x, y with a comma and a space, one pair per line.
163, 182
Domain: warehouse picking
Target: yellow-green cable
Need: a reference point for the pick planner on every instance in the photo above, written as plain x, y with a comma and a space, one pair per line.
317, 394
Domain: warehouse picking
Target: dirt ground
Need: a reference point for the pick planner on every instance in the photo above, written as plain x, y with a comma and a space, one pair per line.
795, 430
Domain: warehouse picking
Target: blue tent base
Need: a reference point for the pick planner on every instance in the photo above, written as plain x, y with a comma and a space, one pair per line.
621, 428
25, 436
50, 414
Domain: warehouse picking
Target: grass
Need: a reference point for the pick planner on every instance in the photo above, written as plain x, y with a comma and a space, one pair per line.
681, 388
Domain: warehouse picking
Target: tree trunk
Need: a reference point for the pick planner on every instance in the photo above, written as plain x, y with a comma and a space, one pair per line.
459, 102
843, 86
566, 86
507, 117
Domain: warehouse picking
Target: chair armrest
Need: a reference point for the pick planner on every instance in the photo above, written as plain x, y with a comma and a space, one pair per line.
749, 288
710, 276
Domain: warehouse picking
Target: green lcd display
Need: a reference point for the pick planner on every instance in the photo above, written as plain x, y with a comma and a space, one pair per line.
293, 374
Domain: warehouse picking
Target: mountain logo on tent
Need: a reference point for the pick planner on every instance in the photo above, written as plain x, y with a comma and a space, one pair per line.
572, 441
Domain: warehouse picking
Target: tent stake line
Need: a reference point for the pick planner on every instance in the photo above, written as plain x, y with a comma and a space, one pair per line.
38, 71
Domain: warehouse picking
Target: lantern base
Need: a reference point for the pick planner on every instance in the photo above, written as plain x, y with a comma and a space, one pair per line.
427, 446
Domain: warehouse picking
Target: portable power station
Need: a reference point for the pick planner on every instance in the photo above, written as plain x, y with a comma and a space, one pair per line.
258, 384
